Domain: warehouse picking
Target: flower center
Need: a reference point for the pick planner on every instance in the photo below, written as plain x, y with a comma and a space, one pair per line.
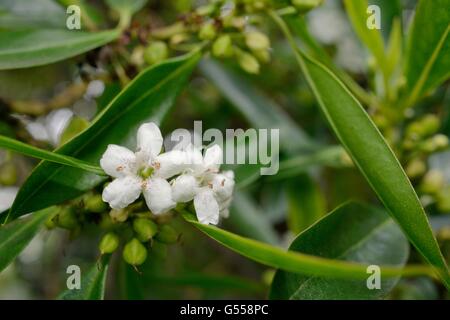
146, 172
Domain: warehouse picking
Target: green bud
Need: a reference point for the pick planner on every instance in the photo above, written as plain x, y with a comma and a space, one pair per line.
50, 223
222, 47
76, 125
67, 218
206, 10
8, 174
248, 62
262, 55
134, 253
423, 127
167, 235
306, 5
207, 32
257, 40
94, 203
144, 228
440, 142
109, 243
415, 168
432, 182
106, 222
119, 215
156, 52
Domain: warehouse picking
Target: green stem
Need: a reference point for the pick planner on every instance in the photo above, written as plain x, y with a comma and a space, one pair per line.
34, 152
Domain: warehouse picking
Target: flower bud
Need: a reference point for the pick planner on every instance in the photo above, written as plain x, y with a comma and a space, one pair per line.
207, 32
248, 62
423, 127
120, 215
50, 223
67, 218
306, 5
8, 174
415, 168
156, 52
257, 40
94, 203
262, 55
436, 143
106, 222
145, 229
109, 243
432, 182
134, 253
222, 47
443, 200
167, 235
206, 10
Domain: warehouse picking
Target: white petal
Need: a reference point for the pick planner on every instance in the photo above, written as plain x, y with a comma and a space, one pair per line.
184, 188
222, 186
7, 196
122, 192
194, 159
118, 161
225, 213
170, 164
213, 157
158, 195
206, 207
149, 139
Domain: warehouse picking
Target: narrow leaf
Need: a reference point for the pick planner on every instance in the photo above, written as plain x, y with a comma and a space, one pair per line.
15, 236
352, 232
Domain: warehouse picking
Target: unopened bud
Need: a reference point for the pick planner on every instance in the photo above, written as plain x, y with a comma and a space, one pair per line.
8, 174
134, 253
415, 168
207, 32
262, 55
206, 10
167, 235
223, 47
257, 40
306, 5
156, 52
109, 243
248, 62
443, 200
67, 218
120, 215
432, 182
94, 203
145, 229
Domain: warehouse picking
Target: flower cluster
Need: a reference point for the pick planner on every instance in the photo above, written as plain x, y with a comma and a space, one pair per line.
165, 179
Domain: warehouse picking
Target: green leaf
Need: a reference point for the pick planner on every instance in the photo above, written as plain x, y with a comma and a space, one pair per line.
357, 12
257, 109
15, 236
352, 232
92, 284
371, 154
391, 10
294, 261
428, 50
129, 6
29, 48
149, 97
306, 203
26, 149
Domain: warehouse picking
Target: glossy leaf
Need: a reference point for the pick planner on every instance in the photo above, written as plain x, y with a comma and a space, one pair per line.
296, 262
30, 48
92, 283
148, 97
131, 6
28, 150
352, 232
428, 51
15, 236
371, 154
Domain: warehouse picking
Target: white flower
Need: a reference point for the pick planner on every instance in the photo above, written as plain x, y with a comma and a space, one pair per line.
211, 191
144, 171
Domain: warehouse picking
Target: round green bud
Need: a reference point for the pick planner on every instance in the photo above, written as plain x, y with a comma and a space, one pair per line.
222, 47
440, 141
50, 223
134, 253
167, 235
248, 63
206, 10
156, 52
443, 200
106, 222
109, 243
120, 215
432, 182
207, 32
415, 168
145, 229
8, 174
67, 218
430, 124
306, 5
262, 55
257, 40
94, 203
